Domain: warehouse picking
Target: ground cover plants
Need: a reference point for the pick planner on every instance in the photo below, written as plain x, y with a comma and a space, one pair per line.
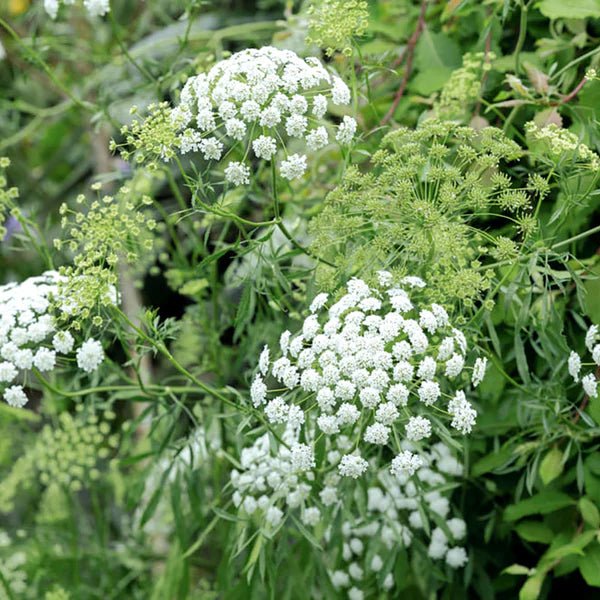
299, 299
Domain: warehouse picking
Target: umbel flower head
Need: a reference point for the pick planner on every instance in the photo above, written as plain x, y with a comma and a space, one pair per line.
254, 100
29, 338
397, 512
376, 368
113, 230
69, 453
422, 206
96, 8
333, 23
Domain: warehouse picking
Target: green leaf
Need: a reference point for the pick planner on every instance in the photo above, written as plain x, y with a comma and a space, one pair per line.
193, 287
533, 586
552, 466
517, 570
574, 9
491, 461
589, 512
436, 56
535, 531
589, 565
540, 504
574, 547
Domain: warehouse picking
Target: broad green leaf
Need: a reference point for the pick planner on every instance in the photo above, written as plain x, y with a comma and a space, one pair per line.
589, 565
589, 512
540, 504
574, 9
552, 466
532, 587
535, 531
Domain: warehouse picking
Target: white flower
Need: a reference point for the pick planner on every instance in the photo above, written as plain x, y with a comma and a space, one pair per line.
235, 128
398, 394
90, 355
23, 358
340, 579
263, 361
264, 147
418, 428
273, 516
355, 594
15, 396
352, 465
376, 563
355, 572
311, 516
463, 413
293, 167
317, 138
458, 528
574, 365
456, 557
318, 302
211, 148
237, 173
596, 354
277, 411
429, 392
258, 391
591, 336
479, 371
97, 8
328, 424
340, 93
590, 385
7, 372
44, 359
302, 456
427, 368
346, 130
347, 414
406, 463
319, 106
387, 413
377, 434
454, 365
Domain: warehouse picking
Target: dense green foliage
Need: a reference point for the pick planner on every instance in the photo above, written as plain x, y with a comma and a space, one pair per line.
190, 232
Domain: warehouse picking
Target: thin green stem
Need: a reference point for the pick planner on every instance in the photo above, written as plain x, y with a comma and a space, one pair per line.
144, 72
521, 38
37, 58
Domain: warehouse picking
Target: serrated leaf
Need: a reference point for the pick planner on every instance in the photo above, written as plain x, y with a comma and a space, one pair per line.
552, 466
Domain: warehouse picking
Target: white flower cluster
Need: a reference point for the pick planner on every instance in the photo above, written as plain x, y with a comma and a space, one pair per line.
370, 370
394, 517
259, 97
269, 484
96, 8
26, 327
589, 381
